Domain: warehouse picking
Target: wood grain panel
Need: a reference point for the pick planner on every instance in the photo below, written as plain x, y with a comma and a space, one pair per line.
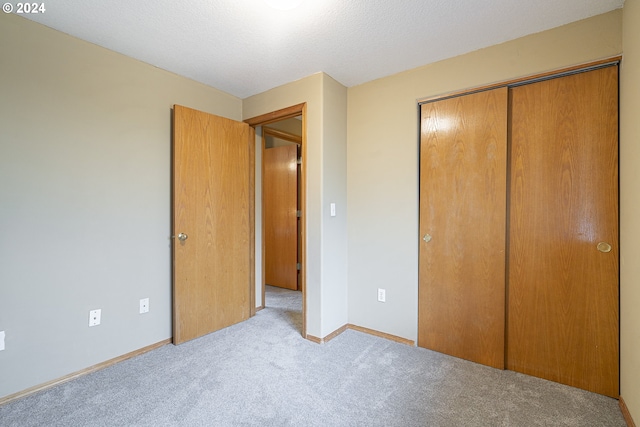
463, 207
280, 195
563, 292
211, 204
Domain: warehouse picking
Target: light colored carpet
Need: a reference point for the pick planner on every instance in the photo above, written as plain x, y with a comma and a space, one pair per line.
263, 373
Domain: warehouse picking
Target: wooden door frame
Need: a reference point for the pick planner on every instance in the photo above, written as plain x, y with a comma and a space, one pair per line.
262, 120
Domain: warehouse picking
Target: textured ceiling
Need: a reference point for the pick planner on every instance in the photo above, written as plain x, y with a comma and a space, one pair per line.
245, 47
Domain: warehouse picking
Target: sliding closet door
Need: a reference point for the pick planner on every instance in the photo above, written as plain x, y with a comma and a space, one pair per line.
563, 245
462, 224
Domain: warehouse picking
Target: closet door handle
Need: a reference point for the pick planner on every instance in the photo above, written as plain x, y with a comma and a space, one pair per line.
426, 238
604, 247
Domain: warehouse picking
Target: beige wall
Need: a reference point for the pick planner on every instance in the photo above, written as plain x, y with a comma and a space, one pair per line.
382, 158
325, 164
334, 190
292, 126
630, 210
85, 200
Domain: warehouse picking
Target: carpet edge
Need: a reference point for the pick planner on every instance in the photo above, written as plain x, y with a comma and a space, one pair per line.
49, 384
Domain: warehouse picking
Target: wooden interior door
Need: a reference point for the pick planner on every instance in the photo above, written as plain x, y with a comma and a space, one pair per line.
563, 291
280, 192
463, 152
212, 222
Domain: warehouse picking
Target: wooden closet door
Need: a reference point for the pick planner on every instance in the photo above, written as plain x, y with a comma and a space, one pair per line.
563, 290
463, 153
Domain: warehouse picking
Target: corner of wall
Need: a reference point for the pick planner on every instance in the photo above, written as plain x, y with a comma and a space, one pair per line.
630, 210
334, 193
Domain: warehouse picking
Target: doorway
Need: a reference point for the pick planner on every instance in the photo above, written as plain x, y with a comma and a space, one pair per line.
283, 128
281, 203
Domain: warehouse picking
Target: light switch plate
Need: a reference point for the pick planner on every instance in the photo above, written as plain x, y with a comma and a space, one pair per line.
333, 209
1, 340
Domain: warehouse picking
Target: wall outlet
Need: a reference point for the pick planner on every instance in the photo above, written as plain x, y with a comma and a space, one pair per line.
1, 340
144, 305
94, 317
382, 295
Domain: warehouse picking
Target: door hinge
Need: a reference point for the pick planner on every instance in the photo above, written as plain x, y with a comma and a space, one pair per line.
298, 266
299, 161
299, 214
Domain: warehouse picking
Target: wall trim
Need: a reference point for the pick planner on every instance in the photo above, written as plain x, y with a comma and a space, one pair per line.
364, 330
314, 339
625, 413
382, 335
329, 337
49, 384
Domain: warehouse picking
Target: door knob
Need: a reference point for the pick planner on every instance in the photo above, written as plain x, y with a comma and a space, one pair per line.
182, 237
427, 238
604, 247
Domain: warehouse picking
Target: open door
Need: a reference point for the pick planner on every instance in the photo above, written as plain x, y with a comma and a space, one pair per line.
212, 211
